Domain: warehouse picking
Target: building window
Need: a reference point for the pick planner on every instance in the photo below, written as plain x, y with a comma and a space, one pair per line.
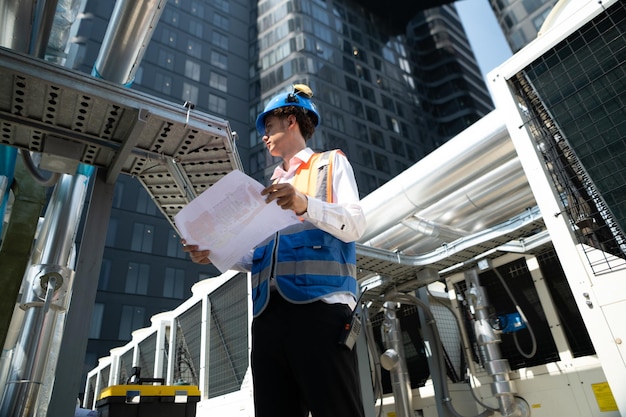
192, 70
363, 73
393, 124
195, 28
143, 236
132, 319
138, 75
97, 315
356, 108
360, 131
366, 157
171, 16
335, 121
218, 81
220, 21
382, 164
197, 9
219, 60
368, 93
174, 247
137, 278
352, 86
190, 93
163, 83
118, 195
145, 204
174, 283
194, 48
219, 40
377, 138
397, 146
105, 274
222, 5
111, 232
168, 37
217, 104
372, 115
388, 103
166, 60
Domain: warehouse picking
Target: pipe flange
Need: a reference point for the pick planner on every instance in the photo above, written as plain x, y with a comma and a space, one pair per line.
45, 279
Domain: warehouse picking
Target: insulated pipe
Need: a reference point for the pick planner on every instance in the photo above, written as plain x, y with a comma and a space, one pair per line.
17, 24
46, 9
474, 152
44, 296
126, 39
489, 200
8, 156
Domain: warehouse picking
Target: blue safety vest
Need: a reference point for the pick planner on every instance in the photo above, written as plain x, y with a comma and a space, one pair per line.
307, 263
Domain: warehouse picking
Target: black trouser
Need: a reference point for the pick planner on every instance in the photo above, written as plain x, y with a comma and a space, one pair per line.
298, 365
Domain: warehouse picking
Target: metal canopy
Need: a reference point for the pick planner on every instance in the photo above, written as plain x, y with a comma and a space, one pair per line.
72, 117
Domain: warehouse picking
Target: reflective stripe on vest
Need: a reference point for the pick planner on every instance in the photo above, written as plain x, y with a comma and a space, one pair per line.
311, 264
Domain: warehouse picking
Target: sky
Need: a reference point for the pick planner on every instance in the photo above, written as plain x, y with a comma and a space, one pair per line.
484, 34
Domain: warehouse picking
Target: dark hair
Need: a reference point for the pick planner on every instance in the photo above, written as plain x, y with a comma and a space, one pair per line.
306, 120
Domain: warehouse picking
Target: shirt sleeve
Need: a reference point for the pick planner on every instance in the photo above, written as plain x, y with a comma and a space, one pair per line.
344, 217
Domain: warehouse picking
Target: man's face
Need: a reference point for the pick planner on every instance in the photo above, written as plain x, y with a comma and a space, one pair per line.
276, 134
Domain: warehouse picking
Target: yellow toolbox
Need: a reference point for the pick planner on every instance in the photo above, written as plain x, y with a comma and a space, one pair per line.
148, 401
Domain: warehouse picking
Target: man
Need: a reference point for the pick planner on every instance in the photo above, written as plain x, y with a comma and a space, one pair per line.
303, 278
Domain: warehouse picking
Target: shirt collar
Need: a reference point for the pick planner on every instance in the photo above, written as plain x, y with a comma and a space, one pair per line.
300, 158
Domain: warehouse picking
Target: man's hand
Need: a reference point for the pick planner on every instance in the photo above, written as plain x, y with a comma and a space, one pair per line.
197, 256
287, 197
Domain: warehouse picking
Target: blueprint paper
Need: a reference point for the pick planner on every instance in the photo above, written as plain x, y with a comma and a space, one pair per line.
231, 218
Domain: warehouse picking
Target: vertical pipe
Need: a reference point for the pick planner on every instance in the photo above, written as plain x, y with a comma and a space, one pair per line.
7, 170
44, 19
489, 345
128, 34
393, 360
17, 24
44, 291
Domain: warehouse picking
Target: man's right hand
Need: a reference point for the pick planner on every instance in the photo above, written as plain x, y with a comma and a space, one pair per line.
197, 256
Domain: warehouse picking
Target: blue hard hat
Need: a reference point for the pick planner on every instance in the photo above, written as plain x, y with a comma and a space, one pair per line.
299, 97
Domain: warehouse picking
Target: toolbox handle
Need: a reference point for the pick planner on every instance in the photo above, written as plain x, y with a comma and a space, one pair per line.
136, 379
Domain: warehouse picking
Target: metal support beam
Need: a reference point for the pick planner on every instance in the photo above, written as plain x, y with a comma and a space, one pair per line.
433, 358
115, 168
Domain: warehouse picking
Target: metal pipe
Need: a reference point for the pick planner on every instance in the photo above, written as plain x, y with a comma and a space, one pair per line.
47, 282
126, 39
7, 172
44, 19
489, 347
473, 153
17, 24
394, 360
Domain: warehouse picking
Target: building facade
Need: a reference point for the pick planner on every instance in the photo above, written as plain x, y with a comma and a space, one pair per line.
521, 20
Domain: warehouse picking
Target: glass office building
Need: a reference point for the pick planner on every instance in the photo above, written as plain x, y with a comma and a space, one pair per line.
387, 96
521, 20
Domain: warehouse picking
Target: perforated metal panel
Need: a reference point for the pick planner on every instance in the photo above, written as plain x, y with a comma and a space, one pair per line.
68, 116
